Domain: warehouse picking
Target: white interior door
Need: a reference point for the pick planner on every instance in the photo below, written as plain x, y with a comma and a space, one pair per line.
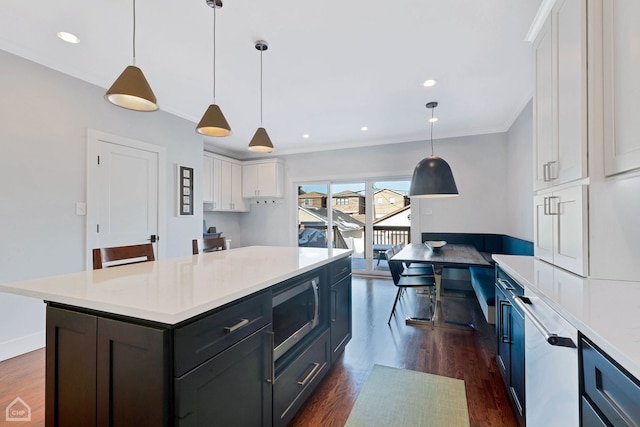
124, 192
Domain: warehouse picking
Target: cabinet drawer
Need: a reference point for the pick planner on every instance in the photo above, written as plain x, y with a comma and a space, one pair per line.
296, 383
612, 391
199, 341
339, 269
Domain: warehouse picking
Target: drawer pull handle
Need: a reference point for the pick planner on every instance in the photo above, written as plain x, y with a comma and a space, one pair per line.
240, 324
310, 375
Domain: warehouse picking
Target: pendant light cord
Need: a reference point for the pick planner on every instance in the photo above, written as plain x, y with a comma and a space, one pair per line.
214, 55
431, 121
261, 88
134, 32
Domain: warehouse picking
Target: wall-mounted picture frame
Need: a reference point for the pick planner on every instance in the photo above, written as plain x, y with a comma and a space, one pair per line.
185, 190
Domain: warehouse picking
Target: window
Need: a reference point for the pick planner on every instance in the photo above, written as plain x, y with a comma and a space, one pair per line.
392, 200
342, 201
379, 200
306, 202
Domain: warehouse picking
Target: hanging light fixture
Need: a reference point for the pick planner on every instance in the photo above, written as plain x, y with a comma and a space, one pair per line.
131, 89
213, 122
261, 141
432, 177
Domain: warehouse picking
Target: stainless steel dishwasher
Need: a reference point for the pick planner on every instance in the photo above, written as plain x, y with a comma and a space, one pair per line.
551, 366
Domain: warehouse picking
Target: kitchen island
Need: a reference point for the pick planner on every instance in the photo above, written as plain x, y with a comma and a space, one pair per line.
189, 340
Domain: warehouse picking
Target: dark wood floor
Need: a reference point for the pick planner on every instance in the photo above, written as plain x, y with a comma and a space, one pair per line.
470, 357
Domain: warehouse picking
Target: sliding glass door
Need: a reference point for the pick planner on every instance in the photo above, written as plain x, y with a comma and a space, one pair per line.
367, 217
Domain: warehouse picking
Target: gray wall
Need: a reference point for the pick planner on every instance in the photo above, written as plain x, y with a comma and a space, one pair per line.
520, 175
45, 116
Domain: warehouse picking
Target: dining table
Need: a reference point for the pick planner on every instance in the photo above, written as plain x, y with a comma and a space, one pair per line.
449, 255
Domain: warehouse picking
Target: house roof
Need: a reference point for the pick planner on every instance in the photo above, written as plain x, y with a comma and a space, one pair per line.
347, 193
392, 214
311, 195
343, 221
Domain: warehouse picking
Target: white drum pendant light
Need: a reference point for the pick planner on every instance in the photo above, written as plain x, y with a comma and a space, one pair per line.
131, 89
213, 122
432, 177
261, 142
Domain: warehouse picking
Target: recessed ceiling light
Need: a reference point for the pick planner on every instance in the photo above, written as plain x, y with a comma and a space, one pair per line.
364, 128
429, 83
433, 119
68, 37
306, 135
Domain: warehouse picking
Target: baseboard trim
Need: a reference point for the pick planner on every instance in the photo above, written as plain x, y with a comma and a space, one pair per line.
22, 345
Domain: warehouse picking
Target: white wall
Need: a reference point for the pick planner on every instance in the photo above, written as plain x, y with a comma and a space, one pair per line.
478, 164
520, 175
228, 223
45, 116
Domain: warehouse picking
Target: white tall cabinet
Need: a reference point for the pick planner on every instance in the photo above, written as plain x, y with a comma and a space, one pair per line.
560, 137
587, 138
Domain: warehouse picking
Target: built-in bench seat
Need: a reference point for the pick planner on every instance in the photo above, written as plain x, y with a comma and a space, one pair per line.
483, 278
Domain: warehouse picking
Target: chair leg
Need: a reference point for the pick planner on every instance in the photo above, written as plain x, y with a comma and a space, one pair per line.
394, 305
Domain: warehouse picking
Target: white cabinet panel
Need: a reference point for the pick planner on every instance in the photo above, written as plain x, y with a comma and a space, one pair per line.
560, 228
207, 179
560, 114
621, 85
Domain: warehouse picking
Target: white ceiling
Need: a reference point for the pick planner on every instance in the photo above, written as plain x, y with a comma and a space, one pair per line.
331, 68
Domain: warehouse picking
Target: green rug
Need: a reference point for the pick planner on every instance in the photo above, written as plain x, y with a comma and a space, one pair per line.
394, 397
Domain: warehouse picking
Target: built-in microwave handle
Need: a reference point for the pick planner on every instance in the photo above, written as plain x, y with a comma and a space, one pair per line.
316, 304
550, 337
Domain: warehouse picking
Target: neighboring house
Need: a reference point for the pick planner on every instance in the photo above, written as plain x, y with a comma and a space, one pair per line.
349, 202
313, 199
350, 230
387, 201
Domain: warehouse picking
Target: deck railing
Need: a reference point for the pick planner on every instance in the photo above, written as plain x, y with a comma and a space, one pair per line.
391, 235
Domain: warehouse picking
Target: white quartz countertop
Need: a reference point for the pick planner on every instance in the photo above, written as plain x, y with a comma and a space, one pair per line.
172, 290
605, 311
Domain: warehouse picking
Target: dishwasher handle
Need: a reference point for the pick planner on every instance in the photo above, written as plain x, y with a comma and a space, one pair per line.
550, 337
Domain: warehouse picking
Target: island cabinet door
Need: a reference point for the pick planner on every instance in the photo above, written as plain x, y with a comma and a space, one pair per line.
233, 388
340, 316
104, 372
71, 368
132, 375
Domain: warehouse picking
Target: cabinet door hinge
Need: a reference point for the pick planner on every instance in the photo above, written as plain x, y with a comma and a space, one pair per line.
97, 228
98, 160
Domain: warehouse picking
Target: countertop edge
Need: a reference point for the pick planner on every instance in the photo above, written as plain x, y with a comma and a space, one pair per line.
506, 262
168, 318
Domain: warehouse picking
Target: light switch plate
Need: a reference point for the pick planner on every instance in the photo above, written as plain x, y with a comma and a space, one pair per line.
81, 208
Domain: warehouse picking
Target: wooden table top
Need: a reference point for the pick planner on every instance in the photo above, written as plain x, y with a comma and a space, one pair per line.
449, 254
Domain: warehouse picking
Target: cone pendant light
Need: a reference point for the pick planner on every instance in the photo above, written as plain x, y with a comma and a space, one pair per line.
261, 142
432, 177
131, 89
213, 122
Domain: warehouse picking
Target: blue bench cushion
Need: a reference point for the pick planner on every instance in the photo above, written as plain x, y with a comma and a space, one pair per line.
482, 280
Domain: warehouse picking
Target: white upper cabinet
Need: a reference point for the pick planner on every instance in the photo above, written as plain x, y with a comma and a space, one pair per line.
222, 184
560, 111
262, 178
621, 72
